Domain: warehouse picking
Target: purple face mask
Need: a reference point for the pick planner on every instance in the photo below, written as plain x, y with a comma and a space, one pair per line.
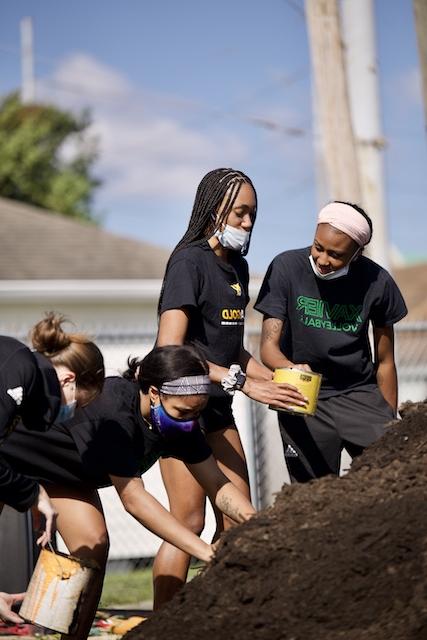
170, 427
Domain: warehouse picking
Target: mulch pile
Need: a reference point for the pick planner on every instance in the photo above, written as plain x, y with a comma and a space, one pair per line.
338, 558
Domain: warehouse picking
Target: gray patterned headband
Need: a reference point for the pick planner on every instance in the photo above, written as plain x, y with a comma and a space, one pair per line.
186, 386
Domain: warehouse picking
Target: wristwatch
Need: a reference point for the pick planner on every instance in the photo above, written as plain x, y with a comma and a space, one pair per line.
234, 380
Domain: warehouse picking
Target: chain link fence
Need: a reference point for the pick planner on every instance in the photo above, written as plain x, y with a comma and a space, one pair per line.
130, 542
132, 546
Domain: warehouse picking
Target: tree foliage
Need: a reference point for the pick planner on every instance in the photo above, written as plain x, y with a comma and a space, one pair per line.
46, 158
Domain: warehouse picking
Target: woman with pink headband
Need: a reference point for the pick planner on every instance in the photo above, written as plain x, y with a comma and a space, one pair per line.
318, 305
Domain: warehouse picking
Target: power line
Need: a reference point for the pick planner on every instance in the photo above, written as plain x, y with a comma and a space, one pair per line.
257, 121
262, 122
296, 7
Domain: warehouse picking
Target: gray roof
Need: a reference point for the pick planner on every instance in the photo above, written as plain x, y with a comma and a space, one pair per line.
39, 244
42, 245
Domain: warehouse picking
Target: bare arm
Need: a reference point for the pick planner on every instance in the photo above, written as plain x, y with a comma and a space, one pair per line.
44, 507
173, 328
149, 512
386, 367
223, 493
253, 368
270, 352
271, 355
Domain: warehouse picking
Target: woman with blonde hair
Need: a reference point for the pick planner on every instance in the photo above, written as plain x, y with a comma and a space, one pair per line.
65, 370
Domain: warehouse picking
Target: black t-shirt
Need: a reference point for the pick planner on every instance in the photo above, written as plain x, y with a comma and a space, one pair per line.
29, 390
16, 490
29, 387
215, 294
107, 437
326, 322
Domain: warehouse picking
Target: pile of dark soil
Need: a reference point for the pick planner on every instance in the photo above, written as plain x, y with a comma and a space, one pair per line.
338, 558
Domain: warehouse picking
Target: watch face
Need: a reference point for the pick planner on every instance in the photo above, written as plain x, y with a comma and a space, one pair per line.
240, 380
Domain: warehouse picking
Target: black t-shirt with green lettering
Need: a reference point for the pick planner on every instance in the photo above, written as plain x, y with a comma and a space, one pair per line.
326, 322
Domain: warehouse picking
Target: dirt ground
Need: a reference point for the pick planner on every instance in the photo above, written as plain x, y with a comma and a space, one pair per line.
339, 558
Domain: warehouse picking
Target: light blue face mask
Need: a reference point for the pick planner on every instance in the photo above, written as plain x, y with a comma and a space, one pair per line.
66, 411
233, 238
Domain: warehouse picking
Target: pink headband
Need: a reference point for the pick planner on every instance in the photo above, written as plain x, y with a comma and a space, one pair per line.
346, 218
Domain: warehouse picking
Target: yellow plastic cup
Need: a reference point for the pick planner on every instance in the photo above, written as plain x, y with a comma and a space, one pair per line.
307, 382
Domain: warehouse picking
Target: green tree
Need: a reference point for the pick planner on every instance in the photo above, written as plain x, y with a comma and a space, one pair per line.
36, 142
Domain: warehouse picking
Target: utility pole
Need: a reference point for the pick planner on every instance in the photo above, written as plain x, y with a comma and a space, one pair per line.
420, 11
332, 109
362, 80
27, 61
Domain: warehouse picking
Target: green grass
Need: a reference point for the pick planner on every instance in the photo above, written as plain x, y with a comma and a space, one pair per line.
131, 587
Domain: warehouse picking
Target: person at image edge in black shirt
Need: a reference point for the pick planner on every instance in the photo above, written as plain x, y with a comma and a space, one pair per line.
152, 412
318, 304
203, 301
36, 386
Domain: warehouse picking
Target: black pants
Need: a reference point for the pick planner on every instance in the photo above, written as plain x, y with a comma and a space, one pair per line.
313, 444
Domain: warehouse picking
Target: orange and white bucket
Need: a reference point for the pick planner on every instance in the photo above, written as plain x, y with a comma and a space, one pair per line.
56, 590
307, 382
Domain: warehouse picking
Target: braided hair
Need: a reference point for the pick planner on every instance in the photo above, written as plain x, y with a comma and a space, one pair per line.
216, 187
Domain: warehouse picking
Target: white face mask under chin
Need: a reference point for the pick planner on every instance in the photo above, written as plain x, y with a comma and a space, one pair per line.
233, 238
332, 275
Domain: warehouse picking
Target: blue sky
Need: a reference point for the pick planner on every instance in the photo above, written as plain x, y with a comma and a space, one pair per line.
179, 88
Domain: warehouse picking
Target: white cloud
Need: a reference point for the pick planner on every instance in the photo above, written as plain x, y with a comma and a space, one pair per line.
409, 86
82, 74
141, 153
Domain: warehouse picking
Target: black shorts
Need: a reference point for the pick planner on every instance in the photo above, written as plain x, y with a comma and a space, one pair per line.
217, 414
352, 421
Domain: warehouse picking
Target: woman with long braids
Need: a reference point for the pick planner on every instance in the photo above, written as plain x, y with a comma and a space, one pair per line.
150, 412
203, 301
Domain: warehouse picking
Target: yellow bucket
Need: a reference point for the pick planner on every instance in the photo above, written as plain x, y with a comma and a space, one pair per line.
307, 382
57, 587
